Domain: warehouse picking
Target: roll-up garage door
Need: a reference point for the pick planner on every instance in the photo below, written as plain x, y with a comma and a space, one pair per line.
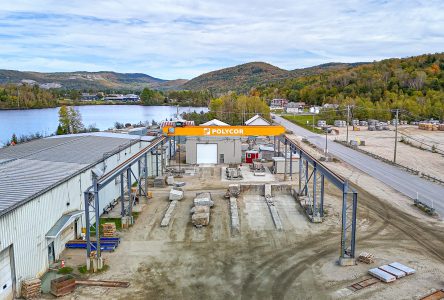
206, 154
6, 291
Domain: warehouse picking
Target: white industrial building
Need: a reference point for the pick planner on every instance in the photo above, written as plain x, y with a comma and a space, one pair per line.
257, 121
41, 197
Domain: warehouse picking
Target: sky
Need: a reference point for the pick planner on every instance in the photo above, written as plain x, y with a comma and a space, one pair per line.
183, 39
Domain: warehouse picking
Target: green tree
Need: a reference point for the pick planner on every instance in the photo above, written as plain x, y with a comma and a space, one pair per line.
64, 122
70, 121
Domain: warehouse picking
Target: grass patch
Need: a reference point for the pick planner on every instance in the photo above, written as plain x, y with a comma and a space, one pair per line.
83, 270
305, 121
117, 221
65, 270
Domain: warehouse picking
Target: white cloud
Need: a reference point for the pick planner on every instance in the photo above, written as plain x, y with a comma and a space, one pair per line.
181, 39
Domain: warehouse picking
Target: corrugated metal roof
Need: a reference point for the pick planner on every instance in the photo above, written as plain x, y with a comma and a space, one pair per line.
62, 223
31, 168
23, 178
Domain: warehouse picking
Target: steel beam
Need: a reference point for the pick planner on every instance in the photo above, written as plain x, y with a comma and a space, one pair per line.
110, 176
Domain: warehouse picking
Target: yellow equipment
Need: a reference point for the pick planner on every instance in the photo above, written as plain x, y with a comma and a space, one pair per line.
224, 130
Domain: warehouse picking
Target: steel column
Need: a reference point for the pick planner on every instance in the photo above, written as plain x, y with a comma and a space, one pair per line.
300, 172
157, 161
128, 180
146, 173
353, 232
161, 159
291, 163
321, 209
314, 212
139, 183
274, 145
88, 226
122, 195
285, 160
97, 215
344, 222
306, 178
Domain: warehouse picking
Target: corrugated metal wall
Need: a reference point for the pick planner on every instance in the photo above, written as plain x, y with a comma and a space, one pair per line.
25, 227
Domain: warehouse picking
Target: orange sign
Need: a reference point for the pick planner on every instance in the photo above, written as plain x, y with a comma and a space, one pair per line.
224, 131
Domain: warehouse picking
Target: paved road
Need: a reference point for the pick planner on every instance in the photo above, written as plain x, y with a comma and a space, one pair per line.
402, 181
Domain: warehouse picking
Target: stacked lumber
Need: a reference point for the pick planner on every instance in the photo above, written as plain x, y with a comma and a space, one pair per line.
31, 288
109, 229
366, 258
441, 127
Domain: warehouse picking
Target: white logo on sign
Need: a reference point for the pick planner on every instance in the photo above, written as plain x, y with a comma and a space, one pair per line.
207, 131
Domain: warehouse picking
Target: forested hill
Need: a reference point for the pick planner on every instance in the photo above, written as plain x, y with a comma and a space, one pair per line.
415, 84
98, 81
242, 78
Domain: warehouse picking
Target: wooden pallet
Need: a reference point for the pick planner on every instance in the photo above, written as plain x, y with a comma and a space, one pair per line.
438, 295
31, 288
363, 284
366, 257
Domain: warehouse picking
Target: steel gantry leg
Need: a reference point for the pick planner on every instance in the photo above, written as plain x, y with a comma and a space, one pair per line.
291, 163
306, 178
128, 179
285, 161
157, 161
145, 158
348, 235
162, 160
97, 217
314, 211
274, 146
300, 173
139, 180
122, 195
87, 199
321, 208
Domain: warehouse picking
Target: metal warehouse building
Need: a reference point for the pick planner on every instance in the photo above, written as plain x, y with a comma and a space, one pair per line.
41, 196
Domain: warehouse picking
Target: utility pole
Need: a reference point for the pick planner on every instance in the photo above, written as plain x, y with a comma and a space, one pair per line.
348, 122
396, 134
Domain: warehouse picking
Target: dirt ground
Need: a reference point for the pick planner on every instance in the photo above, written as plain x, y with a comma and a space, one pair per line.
382, 143
300, 262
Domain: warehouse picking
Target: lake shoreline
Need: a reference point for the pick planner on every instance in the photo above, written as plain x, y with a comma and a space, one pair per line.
93, 104
44, 121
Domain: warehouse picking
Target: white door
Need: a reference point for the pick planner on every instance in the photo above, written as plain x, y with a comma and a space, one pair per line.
5, 275
206, 154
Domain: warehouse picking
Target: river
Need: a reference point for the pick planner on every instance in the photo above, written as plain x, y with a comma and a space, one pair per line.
45, 121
